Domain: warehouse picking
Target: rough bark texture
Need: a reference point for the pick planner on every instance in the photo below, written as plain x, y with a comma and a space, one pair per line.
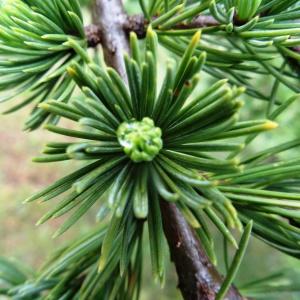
198, 278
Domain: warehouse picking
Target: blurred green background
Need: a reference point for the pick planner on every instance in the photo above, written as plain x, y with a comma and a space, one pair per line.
19, 178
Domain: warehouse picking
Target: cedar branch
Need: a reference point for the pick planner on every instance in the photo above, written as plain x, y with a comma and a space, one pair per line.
198, 278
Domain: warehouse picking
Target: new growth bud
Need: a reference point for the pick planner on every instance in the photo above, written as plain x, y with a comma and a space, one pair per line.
141, 140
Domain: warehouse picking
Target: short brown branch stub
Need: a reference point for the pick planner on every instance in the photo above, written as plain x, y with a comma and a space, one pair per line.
93, 35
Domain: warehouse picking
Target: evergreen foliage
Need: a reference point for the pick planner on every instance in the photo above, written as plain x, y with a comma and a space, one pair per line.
146, 142
35, 52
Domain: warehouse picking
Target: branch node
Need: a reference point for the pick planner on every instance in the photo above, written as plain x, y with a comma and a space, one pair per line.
137, 24
93, 35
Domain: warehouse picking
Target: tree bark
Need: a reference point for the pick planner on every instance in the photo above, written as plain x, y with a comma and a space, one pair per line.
198, 278
109, 15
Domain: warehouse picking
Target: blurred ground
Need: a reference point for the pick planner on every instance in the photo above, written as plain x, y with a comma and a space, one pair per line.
20, 178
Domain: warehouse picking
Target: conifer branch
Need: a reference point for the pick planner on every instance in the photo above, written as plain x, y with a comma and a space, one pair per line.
152, 146
138, 24
198, 278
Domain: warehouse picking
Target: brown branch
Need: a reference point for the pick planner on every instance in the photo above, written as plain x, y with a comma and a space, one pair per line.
198, 22
138, 24
109, 15
198, 278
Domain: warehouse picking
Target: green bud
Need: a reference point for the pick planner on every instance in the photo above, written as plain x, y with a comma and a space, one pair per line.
141, 140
